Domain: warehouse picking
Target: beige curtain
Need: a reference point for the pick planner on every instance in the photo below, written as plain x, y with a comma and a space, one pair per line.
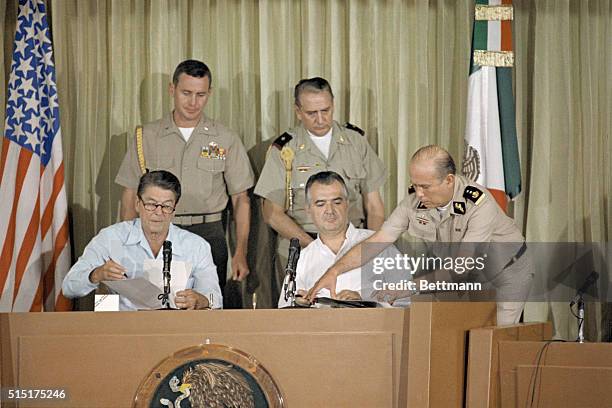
398, 68
564, 111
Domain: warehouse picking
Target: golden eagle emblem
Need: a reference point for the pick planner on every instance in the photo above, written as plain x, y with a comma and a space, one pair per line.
211, 384
209, 376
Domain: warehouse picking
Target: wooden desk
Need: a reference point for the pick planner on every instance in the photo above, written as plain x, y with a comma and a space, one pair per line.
335, 357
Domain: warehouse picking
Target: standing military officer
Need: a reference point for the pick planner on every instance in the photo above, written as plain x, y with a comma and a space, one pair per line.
209, 160
444, 207
318, 143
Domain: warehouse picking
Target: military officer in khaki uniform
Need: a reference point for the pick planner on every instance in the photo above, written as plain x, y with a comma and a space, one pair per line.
318, 143
209, 160
444, 207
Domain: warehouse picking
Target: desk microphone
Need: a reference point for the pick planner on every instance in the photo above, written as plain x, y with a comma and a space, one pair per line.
294, 255
167, 255
590, 280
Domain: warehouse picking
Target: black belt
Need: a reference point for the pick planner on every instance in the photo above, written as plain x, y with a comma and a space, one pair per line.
518, 255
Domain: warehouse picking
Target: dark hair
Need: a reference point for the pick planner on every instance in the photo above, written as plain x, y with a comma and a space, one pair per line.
442, 159
327, 178
316, 84
162, 179
193, 68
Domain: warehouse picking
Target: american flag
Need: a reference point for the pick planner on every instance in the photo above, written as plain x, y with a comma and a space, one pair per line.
34, 237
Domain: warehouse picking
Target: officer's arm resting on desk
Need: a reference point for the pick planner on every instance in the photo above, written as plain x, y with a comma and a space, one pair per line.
275, 217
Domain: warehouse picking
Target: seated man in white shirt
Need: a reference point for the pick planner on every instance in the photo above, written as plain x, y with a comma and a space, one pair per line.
327, 205
120, 251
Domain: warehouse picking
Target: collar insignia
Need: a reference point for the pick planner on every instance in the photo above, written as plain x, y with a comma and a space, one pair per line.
459, 207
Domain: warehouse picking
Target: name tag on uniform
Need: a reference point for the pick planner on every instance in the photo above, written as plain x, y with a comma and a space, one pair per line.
422, 220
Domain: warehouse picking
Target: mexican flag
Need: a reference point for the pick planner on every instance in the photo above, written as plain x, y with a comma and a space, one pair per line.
491, 149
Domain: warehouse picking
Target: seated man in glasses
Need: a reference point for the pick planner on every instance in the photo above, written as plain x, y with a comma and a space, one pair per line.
120, 251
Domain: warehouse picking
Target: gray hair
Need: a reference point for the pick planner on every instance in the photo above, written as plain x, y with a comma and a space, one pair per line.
316, 84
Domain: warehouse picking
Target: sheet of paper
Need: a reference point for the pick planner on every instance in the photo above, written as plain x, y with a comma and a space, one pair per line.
179, 273
106, 303
142, 293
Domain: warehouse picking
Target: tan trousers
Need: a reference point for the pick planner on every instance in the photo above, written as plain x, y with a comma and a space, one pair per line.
513, 285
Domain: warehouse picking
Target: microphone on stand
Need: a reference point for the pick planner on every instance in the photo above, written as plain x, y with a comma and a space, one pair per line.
590, 280
294, 255
579, 300
167, 255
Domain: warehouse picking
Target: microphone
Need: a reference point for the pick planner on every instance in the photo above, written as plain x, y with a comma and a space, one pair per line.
590, 280
294, 255
167, 255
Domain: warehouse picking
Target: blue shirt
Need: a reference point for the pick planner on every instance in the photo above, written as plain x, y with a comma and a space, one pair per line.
126, 244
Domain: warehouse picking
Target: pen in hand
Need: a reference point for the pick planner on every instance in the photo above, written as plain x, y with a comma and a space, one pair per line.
111, 270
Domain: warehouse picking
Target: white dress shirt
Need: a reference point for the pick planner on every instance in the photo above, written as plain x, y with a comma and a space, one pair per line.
317, 257
126, 244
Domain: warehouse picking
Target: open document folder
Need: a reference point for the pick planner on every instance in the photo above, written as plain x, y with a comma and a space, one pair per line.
143, 291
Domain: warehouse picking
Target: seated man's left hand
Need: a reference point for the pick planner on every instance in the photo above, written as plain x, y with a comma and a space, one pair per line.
348, 295
190, 299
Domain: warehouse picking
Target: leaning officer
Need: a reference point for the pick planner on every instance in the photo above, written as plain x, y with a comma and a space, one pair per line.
443, 207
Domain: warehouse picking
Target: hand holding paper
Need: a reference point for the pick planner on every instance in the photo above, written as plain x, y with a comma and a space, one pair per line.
190, 299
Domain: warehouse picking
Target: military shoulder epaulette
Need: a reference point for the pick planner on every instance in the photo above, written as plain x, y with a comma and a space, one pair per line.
282, 140
355, 128
473, 194
411, 190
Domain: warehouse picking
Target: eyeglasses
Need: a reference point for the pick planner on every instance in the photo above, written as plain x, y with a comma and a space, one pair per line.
152, 207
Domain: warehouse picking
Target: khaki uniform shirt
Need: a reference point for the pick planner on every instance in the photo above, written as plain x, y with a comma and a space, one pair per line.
473, 216
211, 165
350, 155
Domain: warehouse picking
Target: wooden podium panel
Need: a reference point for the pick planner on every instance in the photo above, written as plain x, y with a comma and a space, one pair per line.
483, 385
438, 350
368, 339
330, 357
311, 369
584, 387
518, 360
